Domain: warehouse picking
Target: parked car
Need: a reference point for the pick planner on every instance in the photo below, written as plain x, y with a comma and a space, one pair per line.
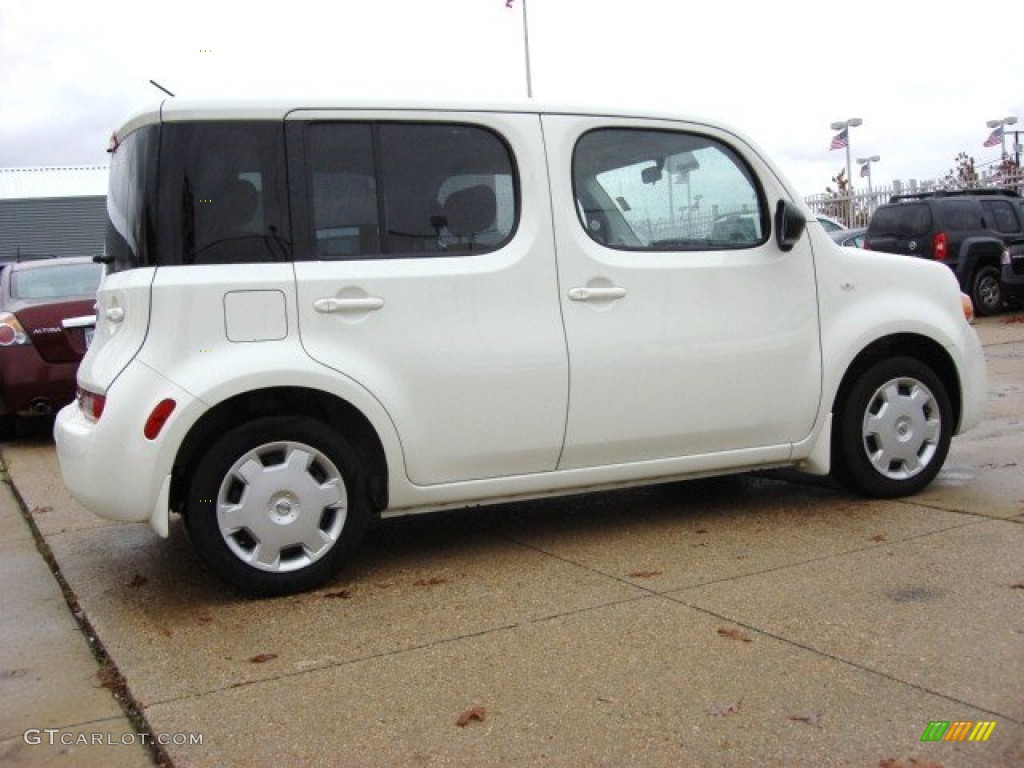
39, 348
968, 230
418, 307
831, 225
1013, 267
851, 238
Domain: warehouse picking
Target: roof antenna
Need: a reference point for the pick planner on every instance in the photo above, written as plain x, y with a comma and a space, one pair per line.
157, 85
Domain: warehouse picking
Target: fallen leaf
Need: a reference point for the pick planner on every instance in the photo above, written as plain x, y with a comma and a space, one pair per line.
344, 594
726, 709
476, 713
431, 582
734, 634
166, 632
879, 537
261, 658
137, 581
701, 530
41, 510
204, 619
1019, 585
644, 574
811, 718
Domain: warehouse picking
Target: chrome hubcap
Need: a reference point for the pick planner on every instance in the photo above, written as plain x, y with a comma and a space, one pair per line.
901, 429
281, 506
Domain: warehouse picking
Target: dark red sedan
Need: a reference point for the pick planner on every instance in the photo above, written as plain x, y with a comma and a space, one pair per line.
39, 349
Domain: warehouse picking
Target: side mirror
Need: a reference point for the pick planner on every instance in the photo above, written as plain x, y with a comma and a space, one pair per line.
789, 225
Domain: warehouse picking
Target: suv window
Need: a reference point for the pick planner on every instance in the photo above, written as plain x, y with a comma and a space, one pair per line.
433, 190
962, 215
662, 190
999, 216
905, 219
222, 193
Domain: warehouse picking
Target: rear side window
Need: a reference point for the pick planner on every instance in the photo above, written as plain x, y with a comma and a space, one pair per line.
999, 215
663, 190
407, 190
222, 193
905, 219
962, 215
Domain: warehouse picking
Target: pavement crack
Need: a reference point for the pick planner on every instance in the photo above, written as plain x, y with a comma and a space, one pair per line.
841, 660
108, 674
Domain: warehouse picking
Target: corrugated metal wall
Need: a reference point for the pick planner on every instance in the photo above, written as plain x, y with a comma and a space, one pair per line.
59, 226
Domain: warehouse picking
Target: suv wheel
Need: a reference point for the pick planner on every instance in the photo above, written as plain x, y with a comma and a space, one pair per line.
276, 506
892, 430
987, 291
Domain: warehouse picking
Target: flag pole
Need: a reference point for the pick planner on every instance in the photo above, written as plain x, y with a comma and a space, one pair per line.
526, 49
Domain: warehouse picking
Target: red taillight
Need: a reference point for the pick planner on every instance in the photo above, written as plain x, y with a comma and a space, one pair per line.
157, 418
940, 246
91, 404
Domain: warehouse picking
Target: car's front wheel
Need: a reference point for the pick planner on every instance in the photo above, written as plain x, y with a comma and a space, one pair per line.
891, 429
276, 506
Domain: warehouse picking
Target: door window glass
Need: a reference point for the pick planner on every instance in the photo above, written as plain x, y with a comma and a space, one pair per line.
401, 190
663, 190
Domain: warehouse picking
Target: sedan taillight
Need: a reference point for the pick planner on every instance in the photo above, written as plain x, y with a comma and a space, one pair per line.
11, 332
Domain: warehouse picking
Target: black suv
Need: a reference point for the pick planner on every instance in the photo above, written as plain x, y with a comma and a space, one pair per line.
968, 230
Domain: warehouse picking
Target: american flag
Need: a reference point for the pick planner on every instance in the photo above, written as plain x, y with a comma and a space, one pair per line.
841, 139
995, 138
865, 169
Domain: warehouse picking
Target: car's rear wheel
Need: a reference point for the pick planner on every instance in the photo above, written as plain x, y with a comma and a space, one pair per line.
892, 429
987, 291
277, 505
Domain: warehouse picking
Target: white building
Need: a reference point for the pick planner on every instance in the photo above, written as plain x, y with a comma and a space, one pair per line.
52, 211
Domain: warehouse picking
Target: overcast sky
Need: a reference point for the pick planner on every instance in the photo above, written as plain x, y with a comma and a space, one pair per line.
924, 76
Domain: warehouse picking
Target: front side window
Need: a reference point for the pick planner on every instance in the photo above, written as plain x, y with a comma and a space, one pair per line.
664, 190
408, 190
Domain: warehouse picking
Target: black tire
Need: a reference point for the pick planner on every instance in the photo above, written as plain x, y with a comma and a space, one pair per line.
277, 505
8, 426
987, 291
891, 429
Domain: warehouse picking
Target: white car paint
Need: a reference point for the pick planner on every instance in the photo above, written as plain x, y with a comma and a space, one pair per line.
483, 378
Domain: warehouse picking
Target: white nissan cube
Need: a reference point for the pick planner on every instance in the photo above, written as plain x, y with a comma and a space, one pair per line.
319, 314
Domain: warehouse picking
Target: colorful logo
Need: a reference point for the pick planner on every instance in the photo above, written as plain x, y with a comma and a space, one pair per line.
958, 730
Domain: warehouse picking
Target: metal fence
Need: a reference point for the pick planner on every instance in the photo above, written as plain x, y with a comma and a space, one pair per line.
855, 209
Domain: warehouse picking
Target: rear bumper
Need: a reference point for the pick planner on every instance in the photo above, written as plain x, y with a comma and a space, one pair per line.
109, 466
25, 378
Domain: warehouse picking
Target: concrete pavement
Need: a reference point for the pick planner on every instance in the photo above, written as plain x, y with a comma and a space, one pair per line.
745, 621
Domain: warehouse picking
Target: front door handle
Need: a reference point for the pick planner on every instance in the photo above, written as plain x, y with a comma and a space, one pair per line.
333, 304
600, 293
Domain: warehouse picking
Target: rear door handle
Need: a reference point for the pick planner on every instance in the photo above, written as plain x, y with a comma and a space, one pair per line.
609, 293
332, 304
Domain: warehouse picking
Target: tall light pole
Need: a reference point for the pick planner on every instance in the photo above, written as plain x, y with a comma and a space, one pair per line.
866, 162
853, 122
1010, 120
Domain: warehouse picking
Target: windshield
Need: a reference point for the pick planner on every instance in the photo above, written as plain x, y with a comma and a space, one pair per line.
56, 282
